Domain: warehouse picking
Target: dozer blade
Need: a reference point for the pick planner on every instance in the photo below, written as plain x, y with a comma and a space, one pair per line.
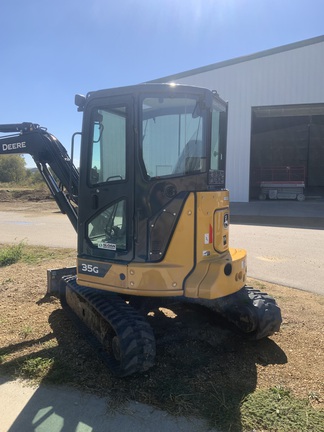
124, 339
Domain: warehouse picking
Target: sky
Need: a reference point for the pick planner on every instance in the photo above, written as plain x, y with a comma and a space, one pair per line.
51, 50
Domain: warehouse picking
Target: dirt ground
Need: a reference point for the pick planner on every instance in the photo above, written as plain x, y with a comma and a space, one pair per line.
197, 353
24, 200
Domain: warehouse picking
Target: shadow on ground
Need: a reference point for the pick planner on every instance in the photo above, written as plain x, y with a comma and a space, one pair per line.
203, 370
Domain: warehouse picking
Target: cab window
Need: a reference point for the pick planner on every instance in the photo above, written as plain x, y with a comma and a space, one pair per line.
108, 158
172, 136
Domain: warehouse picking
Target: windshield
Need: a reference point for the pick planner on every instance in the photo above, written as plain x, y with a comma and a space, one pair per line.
173, 142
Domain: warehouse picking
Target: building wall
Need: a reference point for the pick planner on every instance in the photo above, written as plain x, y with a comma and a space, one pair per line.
289, 77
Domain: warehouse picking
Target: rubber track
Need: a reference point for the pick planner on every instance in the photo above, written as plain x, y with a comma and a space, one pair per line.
267, 311
135, 336
250, 310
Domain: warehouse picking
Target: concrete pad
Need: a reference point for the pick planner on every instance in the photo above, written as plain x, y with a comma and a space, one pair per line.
290, 257
51, 230
61, 409
306, 214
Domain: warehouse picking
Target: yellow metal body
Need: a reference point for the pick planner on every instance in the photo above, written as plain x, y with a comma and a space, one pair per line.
197, 264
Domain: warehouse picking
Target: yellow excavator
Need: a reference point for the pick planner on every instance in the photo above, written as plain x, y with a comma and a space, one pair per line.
151, 211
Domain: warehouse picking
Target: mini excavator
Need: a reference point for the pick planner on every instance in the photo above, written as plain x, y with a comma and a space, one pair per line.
151, 211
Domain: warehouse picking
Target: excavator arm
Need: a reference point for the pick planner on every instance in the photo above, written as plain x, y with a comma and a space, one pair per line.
52, 161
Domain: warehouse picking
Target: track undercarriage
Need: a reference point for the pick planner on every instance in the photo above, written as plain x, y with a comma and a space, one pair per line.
123, 336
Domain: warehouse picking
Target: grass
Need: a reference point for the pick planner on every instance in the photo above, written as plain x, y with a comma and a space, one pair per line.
11, 254
30, 254
221, 403
36, 254
277, 410
26, 331
36, 368
34, 182
266, 410
3, 358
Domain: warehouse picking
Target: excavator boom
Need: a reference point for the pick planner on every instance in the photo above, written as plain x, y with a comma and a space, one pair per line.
52, 161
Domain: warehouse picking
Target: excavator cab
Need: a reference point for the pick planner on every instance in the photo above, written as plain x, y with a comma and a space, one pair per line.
152, 158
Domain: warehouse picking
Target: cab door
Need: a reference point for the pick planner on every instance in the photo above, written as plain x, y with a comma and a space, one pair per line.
107, 181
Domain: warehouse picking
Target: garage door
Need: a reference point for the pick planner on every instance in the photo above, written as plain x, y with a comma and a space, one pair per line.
288, 141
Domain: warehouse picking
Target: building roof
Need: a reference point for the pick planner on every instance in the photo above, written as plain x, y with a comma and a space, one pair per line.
242, 59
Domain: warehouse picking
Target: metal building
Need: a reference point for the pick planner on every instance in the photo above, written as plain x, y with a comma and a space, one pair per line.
276, 115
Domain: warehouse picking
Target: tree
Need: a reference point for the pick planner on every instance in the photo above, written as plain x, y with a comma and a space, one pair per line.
12, 168
34, 177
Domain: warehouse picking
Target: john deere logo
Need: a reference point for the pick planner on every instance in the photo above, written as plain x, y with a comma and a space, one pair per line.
226, 221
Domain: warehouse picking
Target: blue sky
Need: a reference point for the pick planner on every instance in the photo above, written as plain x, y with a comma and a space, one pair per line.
51, 50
